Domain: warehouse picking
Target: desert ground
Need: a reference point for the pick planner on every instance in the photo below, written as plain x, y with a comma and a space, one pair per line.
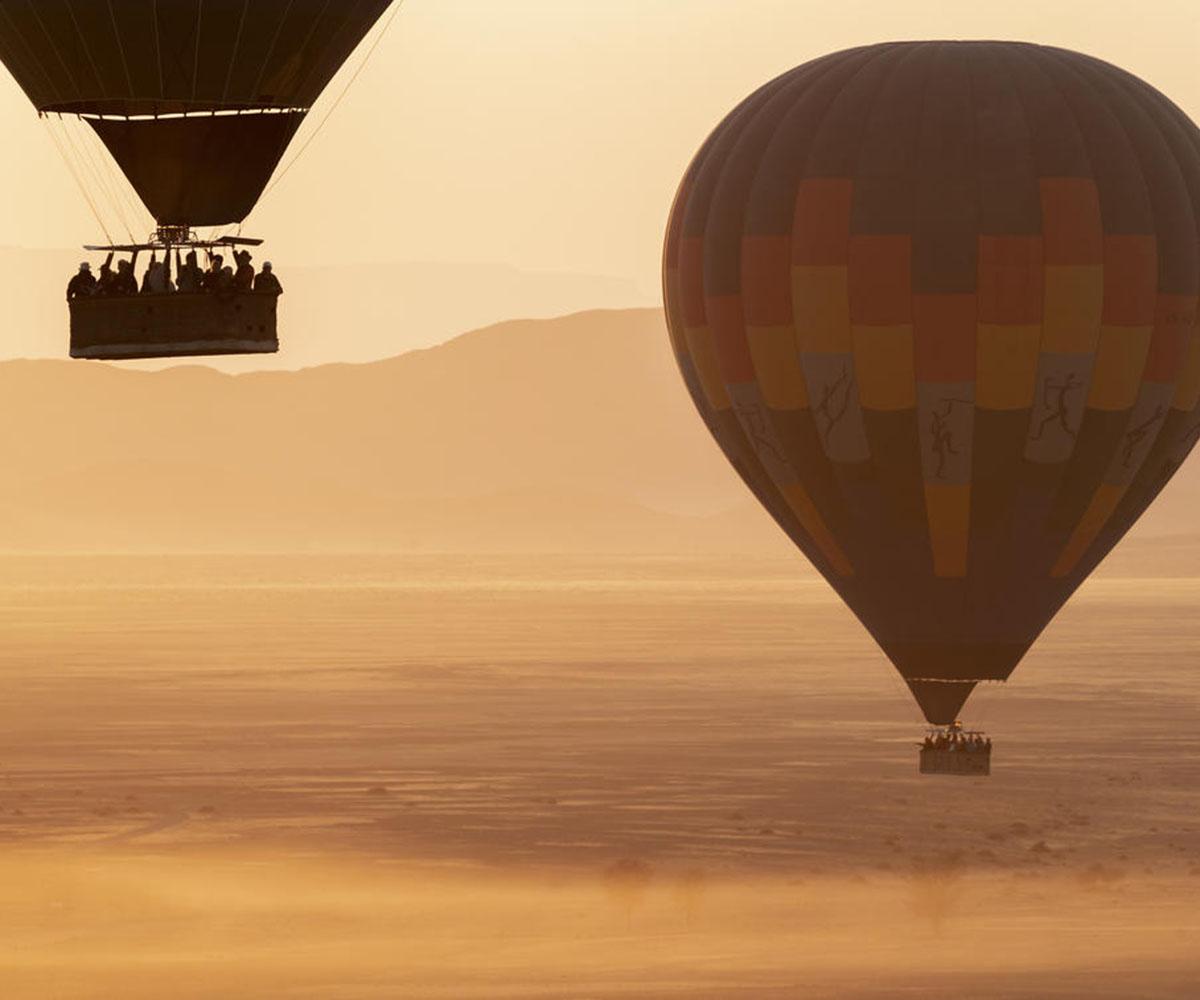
574, 777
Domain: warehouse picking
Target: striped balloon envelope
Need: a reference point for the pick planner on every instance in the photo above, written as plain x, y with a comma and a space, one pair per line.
936, 301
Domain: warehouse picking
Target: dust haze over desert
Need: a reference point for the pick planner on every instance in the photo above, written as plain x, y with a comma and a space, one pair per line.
444, 656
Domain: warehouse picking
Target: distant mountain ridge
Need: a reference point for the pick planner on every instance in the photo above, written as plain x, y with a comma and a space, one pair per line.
570, 434
564, 434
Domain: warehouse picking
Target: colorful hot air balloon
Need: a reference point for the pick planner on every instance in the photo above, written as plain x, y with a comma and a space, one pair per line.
936, 301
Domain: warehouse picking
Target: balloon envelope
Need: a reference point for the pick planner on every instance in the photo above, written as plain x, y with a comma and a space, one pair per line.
937, 303
126, 63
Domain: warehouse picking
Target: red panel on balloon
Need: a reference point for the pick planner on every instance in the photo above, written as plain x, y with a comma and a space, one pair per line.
1071, 221
944, 337
822, 225
1130, 280
880, 280
1011, 280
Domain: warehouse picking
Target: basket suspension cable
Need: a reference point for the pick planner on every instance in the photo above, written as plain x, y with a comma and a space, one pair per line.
983, 709
333, 107
85, 168
896, 683
97, 160
79, 182
904, 692
103, 182
125, 193
143, 220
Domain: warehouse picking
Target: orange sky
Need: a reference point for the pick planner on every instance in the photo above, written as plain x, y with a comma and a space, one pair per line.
551, 135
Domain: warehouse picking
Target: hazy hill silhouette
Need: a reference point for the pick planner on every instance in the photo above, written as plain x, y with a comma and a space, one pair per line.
563, 434
572, 434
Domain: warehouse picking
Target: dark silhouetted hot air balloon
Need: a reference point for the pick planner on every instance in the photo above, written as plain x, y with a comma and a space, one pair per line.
937, 303
196, 100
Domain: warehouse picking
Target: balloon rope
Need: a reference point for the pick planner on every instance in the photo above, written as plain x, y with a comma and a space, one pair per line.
126, 196
983, 709
345, 90
903, 691
79, 181
98, 158
103, 183
87, 169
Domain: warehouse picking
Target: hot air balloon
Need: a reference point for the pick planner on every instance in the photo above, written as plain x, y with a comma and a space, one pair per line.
196, 101
936, 301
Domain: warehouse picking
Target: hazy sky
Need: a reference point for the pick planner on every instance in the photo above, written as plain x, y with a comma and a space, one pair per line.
550, 134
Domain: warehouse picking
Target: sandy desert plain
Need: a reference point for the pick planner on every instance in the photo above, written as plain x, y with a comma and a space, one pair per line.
573, 777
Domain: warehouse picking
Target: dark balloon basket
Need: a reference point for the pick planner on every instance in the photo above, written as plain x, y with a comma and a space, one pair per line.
173, 326
957, 762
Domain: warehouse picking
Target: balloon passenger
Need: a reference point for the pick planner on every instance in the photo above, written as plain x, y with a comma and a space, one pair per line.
157, 280
191, 278
125, 282
119, 278
149, 270
212, 276
82, 284
266, 282
243, 278
107, 279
